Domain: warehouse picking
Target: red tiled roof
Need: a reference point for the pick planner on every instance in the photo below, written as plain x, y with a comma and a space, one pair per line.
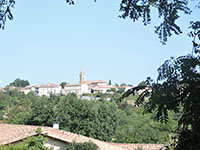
136, 146
46, 85
26, 88
107, 86
13, 133
91, 82
125, 86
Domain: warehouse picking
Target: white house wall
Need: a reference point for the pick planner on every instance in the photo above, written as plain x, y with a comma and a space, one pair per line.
72, 89
49, 90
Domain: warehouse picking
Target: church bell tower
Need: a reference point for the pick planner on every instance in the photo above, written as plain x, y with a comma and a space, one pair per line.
82, 75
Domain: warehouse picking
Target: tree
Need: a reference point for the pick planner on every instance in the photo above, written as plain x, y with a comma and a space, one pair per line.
93, 119
123, 84
109, 83
5, 11
121, 90
178, 89
143, 83
20, 83
42, 112
168, 11
62, 84
134, 128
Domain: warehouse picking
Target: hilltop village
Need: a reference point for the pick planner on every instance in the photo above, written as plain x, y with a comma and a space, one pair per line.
91, 113
83, 87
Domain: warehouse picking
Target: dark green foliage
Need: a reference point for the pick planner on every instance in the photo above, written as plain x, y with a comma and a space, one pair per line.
98, 119
18, 113
42, 112
121, 90
10, 103
143, 83
86, 94
178, 89
90, 118
113, 90
82, 146
5, 11
139, 148
168, 11
93, 119
62, 84
123, 84
36, 142
20, 83
3, 104
195, 34
134, 127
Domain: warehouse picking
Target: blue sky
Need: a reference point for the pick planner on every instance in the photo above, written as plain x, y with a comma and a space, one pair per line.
49, 42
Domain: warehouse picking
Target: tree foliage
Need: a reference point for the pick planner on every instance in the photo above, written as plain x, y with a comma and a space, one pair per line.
135, 127
168, 10
100, 119
93, 119
5, 11
42, 112
20, 83
143, 83
62, 84
178, 89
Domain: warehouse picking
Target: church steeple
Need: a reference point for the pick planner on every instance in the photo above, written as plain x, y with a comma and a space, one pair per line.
82, 75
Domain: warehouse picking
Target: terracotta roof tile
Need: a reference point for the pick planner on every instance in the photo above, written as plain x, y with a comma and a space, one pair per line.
107, 86
93, 82
136, 146
13, 133
46, 85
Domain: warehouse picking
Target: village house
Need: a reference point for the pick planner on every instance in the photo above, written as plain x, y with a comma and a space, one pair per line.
44, 89
27, 89
57, 139
76, 88
47, 89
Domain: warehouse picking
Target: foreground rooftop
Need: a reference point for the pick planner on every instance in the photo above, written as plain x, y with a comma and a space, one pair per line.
16, 133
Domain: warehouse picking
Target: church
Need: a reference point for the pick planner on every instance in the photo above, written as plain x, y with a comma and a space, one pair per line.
87, 86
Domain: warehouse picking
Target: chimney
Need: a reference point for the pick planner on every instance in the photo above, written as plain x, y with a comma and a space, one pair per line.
56, 126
